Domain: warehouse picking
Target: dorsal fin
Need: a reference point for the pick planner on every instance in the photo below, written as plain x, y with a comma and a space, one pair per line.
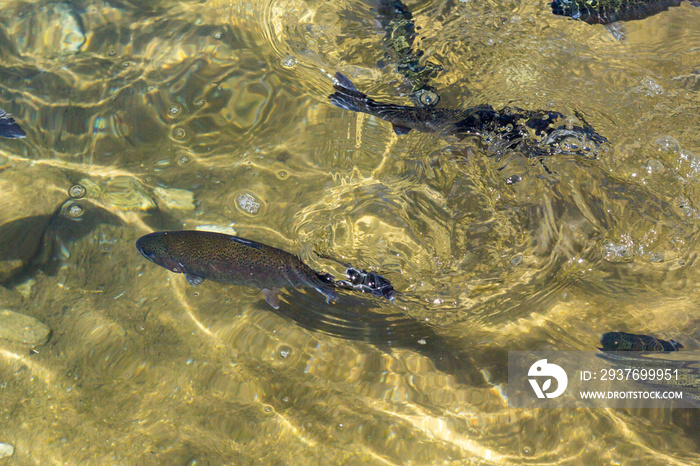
193, 279
246, 242
272, 297
343, 81
401, 130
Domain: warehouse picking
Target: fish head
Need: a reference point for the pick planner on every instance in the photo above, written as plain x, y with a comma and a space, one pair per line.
611, 341
155, 247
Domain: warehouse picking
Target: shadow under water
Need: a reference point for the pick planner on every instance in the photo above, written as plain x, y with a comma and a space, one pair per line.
39, 242
364, 318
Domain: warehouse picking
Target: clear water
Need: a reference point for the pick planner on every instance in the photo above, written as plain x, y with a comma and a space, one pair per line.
215, 113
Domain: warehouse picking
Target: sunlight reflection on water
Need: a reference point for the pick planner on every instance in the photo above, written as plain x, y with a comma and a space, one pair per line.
215, 114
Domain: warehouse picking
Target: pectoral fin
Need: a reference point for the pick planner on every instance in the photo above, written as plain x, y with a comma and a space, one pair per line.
329, 293
194, 279
617, 30
272, 297
401, 130
9, 128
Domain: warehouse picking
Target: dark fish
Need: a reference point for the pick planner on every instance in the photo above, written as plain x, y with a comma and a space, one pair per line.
363, 281
229, 259
223, 258
397, 21
610, 11
629, 351
9, 128
512, 125
367, 282
621, 341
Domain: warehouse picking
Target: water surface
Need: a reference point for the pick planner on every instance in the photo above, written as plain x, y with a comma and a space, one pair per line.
214, 113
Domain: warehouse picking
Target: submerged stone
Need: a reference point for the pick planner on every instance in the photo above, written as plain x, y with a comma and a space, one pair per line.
123, 192
173, 198
6, 450
23, 329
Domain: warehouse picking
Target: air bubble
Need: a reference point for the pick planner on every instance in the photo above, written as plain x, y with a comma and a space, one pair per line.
199, 102
284, 352
289, 62
511, 180
428, 98
248, 203
282, 174
179, 133
77, 191
75, 211
570, 144
654, 166
184, 160
668, 144
174, 110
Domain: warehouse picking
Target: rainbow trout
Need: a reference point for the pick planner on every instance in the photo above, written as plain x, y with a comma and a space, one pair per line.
610, 11
223, 258
9, 127
511, 125
621, 341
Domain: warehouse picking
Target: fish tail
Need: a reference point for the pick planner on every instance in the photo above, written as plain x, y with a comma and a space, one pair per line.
401, 117
9, 128
348, 97
673, 345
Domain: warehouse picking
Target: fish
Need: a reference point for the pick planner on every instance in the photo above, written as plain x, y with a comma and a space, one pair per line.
510, 124
621, 341
400, 34
630, 351
611, 11
9, 128
202, 255
362, 281
367, 282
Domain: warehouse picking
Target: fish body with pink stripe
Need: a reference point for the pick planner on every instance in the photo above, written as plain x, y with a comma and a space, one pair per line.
203, 255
